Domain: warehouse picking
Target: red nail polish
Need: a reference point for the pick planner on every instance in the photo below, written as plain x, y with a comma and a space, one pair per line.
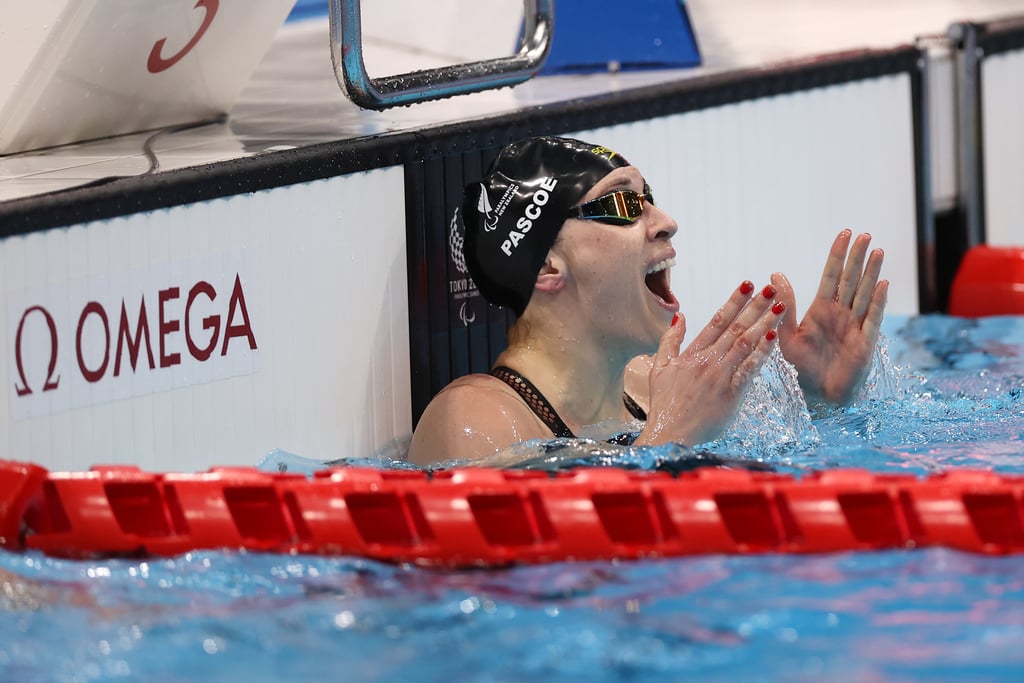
778, 308
747, 287
770, 335
768, 291
675, 319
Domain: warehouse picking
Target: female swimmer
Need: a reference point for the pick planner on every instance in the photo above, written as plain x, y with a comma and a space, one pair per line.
567, 234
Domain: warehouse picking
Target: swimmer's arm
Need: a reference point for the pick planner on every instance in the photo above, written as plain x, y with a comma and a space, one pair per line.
466, 422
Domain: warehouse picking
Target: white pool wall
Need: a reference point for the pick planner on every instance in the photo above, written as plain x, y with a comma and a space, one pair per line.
323, 275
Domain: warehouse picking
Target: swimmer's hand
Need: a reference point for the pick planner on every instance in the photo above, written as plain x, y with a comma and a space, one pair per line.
832, 346
694, 395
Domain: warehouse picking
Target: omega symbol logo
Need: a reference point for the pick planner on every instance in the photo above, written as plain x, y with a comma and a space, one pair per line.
51, 381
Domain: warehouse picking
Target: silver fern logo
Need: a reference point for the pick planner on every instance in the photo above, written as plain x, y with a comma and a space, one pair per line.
484, 207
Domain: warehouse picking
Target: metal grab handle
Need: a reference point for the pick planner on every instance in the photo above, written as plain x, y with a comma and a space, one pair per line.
434, 84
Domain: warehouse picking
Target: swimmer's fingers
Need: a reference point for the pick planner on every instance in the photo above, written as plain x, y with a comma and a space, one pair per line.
828, 288
852, 273
787, 296
668, 347
735, 332
725, 316
866, 287
748, 352
751, 365
876, 308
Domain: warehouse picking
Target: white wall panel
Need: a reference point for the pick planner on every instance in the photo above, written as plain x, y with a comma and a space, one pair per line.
765, 185
942, 128
322, 270
1002, 79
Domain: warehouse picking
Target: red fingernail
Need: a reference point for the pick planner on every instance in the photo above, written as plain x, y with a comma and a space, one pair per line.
747, 287
768, 291
769, 335
675, 319
778, 308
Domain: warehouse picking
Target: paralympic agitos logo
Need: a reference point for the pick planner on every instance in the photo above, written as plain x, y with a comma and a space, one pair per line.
62, 343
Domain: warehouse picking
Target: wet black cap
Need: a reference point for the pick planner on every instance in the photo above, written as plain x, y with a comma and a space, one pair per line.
512, 216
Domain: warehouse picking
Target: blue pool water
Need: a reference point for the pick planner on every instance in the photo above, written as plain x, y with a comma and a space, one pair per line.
948, 393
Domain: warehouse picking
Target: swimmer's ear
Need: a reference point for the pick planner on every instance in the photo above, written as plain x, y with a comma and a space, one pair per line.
551, 277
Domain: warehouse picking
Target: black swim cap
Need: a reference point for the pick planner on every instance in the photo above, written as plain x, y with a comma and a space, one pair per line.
513, 215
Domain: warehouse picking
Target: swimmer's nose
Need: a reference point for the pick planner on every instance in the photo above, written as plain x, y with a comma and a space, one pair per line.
660, 225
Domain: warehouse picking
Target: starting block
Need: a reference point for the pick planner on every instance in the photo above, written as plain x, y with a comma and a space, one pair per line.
609, 35
83, 69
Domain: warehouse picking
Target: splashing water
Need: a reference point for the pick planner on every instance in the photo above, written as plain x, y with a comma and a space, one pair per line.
954, 398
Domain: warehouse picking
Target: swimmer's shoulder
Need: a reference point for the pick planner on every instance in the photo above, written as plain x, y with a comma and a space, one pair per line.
480, 387
474, 416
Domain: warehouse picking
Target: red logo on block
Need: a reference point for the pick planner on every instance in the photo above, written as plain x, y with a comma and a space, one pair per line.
158, 63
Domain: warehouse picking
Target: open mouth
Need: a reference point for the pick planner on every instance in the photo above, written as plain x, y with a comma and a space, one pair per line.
656, 280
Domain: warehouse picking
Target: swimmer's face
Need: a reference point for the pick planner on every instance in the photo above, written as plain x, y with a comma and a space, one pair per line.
620, 269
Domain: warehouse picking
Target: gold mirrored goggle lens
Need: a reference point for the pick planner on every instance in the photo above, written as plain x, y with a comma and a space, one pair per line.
617, 208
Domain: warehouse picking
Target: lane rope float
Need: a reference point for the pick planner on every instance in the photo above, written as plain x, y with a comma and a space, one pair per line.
490, 517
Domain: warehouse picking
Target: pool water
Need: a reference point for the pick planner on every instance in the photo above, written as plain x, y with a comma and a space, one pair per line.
945, 393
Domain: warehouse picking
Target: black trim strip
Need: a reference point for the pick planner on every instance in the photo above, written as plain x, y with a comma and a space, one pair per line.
927, 283
125, 196
1005, 35
418, 274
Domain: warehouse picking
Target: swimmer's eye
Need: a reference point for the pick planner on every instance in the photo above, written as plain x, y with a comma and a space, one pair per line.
617, 208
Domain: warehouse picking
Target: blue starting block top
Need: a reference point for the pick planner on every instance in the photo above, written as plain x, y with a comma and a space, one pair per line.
608, 35
304, 9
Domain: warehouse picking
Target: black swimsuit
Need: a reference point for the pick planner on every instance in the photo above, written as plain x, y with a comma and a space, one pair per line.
673, 463
544, 410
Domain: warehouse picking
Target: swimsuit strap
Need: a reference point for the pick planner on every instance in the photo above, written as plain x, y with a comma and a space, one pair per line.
543, 409
633, 407
535, 400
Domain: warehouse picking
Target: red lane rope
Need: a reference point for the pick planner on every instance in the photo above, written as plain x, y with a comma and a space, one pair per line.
490, 517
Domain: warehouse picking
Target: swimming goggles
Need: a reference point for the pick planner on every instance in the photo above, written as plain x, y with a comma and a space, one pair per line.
617, 208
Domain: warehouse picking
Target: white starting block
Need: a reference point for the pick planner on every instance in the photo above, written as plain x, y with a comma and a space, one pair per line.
82, 69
